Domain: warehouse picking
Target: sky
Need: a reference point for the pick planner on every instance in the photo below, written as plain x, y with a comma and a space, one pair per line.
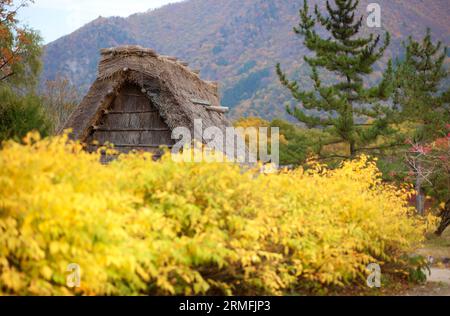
56, 18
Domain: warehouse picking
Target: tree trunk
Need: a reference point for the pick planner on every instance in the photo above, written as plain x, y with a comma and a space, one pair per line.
352, 149
420, 197
445, 222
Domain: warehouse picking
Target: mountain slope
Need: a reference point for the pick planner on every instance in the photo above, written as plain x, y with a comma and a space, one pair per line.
237, 42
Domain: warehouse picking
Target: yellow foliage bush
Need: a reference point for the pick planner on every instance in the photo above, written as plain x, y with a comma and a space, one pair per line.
141, 227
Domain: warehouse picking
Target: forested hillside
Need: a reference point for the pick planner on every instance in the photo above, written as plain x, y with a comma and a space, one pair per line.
237, 42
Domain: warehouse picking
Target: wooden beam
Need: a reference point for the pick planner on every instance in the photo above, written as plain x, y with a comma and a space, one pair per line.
201, 102
219, 109
134, 95
130, 112
135, 146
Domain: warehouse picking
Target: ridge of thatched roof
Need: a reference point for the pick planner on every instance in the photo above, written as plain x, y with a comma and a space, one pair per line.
173, 88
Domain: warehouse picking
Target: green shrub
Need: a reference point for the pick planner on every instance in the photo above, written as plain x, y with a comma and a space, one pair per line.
20, 115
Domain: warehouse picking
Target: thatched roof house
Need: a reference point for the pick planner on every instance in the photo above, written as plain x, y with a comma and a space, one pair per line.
138, 99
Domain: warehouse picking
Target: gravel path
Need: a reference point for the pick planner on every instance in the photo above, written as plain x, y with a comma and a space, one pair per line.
440, 276
438, 284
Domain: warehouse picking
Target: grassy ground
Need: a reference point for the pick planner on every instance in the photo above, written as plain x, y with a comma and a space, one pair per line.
438, 248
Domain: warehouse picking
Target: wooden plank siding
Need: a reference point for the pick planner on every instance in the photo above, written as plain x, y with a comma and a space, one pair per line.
131, 123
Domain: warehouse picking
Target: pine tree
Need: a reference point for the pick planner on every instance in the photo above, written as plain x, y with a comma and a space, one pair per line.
352, 112
420, 88
421, 95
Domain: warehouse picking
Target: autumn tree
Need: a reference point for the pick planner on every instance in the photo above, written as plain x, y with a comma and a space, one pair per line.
430, 166
352, 112
21, 110
20, 48
60, 100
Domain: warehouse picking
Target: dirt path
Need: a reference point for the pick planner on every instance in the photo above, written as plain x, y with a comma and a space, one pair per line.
440, 276
438, 284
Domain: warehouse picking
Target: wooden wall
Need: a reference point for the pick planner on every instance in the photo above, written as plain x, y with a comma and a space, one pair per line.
132, 123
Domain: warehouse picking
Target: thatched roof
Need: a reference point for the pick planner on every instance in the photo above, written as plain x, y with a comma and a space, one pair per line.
177, 92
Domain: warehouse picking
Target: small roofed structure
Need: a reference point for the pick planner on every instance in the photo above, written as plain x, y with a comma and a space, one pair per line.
139, 98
